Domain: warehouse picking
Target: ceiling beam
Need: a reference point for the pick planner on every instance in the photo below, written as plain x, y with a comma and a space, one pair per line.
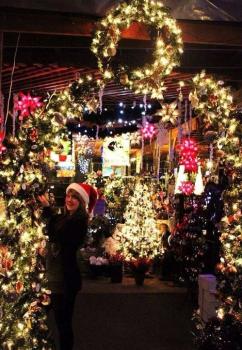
226, 63
41, 22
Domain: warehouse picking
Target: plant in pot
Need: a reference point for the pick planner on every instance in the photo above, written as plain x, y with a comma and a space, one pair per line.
116, 267
139, 267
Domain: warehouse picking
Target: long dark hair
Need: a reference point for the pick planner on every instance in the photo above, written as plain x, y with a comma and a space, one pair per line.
79, 213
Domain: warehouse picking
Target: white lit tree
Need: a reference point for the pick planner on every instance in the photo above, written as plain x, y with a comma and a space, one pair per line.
140, 236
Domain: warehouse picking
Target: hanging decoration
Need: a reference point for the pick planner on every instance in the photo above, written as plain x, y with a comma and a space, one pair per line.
169, 114
189, 179
86, 92
26, 105
135, 138
148, 130
188, 154
148, 79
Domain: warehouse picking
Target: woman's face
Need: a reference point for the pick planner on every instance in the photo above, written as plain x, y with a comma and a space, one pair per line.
72, 201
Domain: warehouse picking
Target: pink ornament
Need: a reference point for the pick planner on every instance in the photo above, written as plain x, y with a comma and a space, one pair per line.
188, 155
148, 130
187, 187
26, 104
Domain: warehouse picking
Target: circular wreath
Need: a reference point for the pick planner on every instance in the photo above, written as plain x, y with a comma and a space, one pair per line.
168, 46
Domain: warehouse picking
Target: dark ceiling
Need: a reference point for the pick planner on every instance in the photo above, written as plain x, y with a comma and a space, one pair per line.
55, 37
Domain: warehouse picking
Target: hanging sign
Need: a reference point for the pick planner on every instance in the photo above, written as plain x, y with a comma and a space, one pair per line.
116, 151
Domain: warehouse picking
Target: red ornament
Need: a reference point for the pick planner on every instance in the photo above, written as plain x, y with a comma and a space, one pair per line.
26, 104
188, 155
187, 187
33, 135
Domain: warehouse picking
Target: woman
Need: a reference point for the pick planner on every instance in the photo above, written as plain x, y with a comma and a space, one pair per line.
67, 233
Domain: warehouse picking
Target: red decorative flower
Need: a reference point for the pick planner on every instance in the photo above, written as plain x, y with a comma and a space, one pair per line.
141, 264
116, 259
188, 155
26, 104
187, 187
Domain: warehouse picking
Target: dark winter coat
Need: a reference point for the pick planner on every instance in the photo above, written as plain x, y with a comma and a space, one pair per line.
66, 234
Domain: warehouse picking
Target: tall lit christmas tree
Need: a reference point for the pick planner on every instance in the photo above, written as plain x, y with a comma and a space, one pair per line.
214, 102
140, 235
23, 175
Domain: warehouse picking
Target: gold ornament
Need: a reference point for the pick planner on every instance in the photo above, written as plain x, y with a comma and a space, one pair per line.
169, 113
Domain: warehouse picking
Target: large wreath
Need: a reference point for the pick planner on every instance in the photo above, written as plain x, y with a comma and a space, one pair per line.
148, 79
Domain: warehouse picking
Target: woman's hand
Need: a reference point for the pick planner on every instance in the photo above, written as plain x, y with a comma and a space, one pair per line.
43, 200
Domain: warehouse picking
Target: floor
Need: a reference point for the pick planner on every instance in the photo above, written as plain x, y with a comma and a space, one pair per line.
156, 316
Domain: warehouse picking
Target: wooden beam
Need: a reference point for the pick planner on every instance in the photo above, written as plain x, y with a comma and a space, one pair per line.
227, 63
41, 22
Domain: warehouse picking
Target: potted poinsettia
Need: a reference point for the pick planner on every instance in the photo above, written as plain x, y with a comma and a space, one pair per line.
139, 267
116, 267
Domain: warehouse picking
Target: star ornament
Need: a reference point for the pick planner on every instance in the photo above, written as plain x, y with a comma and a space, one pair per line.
169, 113
26, 105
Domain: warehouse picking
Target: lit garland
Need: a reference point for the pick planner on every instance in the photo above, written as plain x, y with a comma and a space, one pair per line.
86, 92
168, 45
214, 103
61, 105
24, 293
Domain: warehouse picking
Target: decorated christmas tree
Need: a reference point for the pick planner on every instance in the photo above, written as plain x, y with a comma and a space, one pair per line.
195, 242
140, 236
117, 191
23, 175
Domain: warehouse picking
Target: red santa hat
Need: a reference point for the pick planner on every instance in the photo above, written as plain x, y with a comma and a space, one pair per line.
86, 192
